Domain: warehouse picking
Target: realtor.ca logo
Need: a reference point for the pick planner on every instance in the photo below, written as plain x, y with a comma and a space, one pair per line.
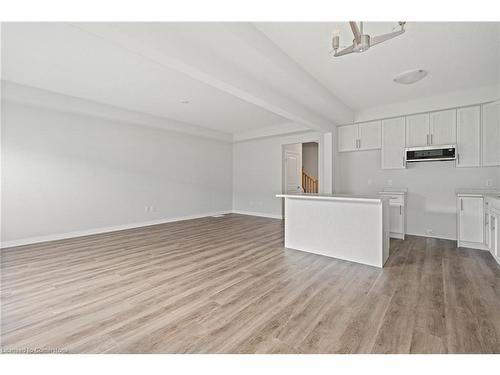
4, 350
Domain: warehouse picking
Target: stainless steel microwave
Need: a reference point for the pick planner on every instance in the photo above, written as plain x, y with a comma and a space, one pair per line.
430, 153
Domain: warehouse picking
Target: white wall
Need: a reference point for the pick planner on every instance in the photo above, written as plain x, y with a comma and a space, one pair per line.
431, 187
67, 172
431, 103
310, 158
257, 171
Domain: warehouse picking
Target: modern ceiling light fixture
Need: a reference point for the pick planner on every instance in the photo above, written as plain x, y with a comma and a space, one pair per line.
411, 76
362, 42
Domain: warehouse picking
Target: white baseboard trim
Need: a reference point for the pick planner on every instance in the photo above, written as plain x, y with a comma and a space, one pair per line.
89, 232
428, 236
261, 214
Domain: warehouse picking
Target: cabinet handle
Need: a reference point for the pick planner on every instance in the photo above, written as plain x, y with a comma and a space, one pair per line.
458, 158
461, 204
431, 139
427, 139
400, 209
359, 143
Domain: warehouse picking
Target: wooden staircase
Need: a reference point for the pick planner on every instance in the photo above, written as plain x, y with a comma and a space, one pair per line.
309, 184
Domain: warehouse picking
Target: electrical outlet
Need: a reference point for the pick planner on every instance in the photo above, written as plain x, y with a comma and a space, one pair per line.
429, 232
389, 182
489, 182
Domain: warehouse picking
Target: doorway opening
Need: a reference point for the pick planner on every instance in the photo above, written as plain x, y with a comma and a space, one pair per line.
301, 168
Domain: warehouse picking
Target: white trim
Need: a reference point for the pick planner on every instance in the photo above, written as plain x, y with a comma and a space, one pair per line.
495, 257
428, 236
260, 214
89, 232
472, 245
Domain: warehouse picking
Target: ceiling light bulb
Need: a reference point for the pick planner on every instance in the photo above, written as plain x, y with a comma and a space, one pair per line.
411, 76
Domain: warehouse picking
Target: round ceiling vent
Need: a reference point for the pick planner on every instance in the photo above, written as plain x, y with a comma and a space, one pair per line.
411, 76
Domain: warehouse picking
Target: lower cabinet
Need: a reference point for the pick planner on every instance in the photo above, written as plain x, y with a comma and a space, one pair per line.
493, 234
397, 222
471, 222
397, 213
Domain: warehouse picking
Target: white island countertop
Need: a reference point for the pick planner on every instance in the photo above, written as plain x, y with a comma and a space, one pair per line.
348, 227
336, 197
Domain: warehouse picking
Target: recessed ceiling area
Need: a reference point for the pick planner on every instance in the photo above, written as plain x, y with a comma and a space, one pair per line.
457, 55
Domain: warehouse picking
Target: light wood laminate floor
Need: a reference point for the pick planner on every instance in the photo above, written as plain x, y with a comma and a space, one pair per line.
227, 285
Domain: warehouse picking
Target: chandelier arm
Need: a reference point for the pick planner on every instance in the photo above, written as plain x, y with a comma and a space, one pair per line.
355, 31
345, 51
382, 38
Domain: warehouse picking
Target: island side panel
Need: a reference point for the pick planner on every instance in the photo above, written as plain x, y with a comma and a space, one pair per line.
346, 230
386, 229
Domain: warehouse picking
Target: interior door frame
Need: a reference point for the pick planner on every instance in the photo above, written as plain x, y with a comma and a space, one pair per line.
311, 138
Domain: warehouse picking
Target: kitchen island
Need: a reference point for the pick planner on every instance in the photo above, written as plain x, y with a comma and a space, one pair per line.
353, 228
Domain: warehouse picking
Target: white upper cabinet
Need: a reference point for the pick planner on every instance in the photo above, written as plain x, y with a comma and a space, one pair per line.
417, 130
491, 134
468, 136
348, 137
443, 127
358, 137
369, 135
393, 143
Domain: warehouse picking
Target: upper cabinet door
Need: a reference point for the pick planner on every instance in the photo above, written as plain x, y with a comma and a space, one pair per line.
369, 135
443, 127
417, 130
393, 143
348, 138
491, 134
468, 136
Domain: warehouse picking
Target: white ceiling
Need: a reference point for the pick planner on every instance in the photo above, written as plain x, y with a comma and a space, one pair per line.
64, 59
457, 55
239, 77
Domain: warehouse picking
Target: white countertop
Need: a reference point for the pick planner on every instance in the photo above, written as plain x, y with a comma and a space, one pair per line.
479, 192
394, 190
335, 197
